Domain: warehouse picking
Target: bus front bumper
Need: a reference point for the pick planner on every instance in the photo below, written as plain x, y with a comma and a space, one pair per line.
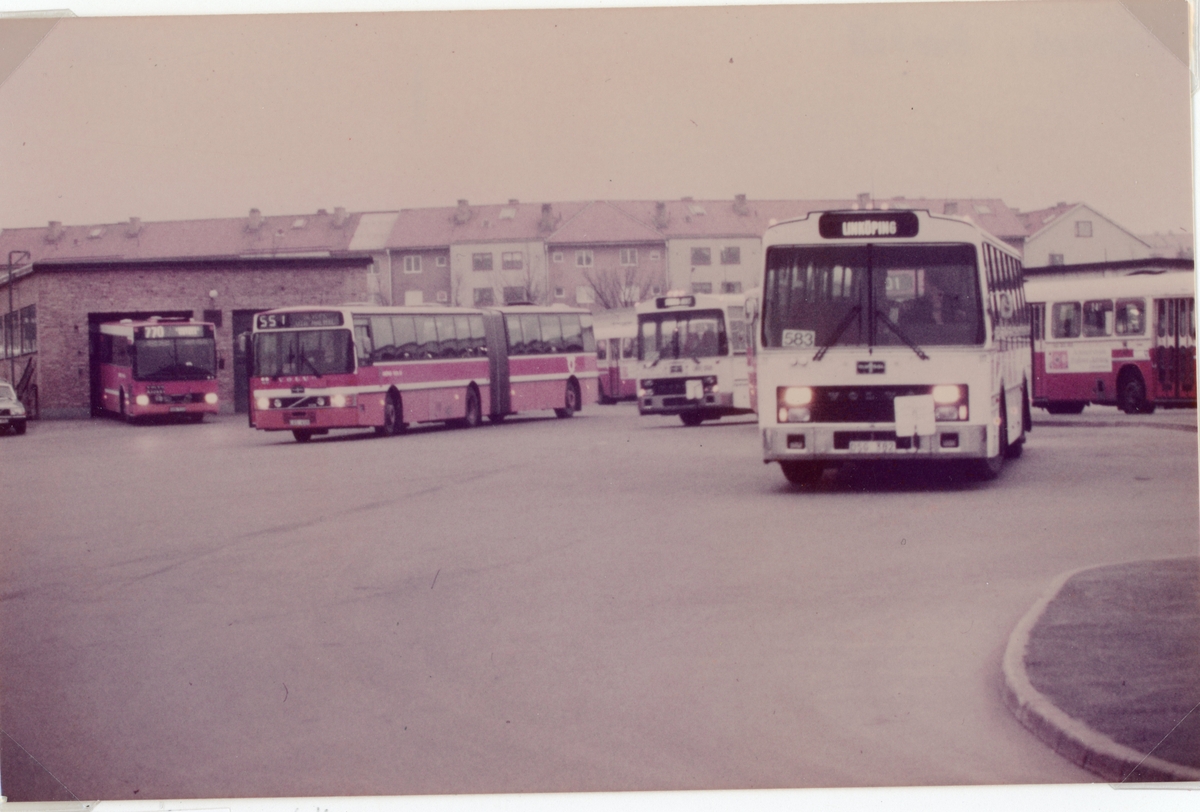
317, 419
679, 404
850, 441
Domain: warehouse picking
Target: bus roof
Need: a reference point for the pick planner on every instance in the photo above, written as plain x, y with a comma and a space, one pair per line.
691, 301
125, 327
876, 225
1167, 284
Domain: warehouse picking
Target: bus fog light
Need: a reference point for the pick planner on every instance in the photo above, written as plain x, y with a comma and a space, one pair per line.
947, 394
962, 412
946, 412
795, 441
796, 395
949, 441
210, 398
142, 400
797, 414
263, 403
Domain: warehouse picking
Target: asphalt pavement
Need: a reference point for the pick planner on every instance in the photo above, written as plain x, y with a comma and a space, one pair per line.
1105, 669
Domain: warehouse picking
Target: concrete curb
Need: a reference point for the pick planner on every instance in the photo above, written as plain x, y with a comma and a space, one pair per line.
1115, 424
1067, 736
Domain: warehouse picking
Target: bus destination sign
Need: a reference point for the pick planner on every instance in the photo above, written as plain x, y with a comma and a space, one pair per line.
859, 224
296, 321
171, 331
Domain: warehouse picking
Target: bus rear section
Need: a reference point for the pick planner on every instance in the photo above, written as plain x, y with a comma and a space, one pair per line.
890, 336
691, 351
616, 355
1127, 341
383, 368
542, 358
164, 368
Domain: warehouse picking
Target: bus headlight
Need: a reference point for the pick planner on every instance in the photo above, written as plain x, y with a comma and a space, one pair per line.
211, 398
263, 403
337, 401
795, 395
142, 400
950, 402
947, 393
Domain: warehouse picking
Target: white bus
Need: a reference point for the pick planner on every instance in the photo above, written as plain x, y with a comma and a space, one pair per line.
890, 335
616, 354
692, 354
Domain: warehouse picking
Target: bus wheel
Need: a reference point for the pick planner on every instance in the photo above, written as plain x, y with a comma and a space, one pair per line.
497, 418
1131, 394
802, 472
1065, 406
392, 424
990, 467
125, 415
692, 418
301, 435
474, 414
571, 403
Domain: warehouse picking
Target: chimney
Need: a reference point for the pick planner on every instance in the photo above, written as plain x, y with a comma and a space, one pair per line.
512, 201
339, 216
56, 231
463, 213
660, 215
739, 206
864, 200
322, 213
546, 223
135, 227
254, 223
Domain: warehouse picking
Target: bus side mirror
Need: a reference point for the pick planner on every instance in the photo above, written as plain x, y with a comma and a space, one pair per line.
751, 309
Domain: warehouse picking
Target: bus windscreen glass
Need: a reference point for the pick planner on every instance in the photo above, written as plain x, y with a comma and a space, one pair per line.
303, 352
684, 334
924, 294
174, 359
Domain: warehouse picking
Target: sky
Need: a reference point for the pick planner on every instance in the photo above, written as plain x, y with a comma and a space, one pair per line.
179, 117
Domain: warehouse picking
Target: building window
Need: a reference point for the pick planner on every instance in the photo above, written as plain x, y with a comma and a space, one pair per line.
731, 287
441, 262
557, 256
512, 260
1083, 228
1056, 259
584, 258
412, 263
654, 255
560, 293
484, 297
629, 256
443, 296
585, 295
731, 255
481, 262
702, 256
515, 294
702, 287
656, 290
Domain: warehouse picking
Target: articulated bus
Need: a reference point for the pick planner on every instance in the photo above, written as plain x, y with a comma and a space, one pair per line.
361, 366
1125, 341
616, 354
692, 351
890, 335
158, 367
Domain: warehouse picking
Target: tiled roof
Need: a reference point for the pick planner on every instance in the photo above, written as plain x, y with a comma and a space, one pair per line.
186, 239
603, 222
1035, 221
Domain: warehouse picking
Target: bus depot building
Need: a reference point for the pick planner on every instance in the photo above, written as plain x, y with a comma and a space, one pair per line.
61, 283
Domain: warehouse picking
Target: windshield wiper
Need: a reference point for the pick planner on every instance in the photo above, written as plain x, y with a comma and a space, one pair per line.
311, 365
841, 328
895, 329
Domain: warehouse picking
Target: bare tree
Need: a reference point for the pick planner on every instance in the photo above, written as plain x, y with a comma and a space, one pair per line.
615, 289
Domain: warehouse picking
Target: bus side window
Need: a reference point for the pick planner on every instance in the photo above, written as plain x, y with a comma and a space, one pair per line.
552, 333
427, 340
573, 335
531, 326
362, 342
516, 340
1130, 317
404, 336
447, 343
1098, 318
1037, 319
478, 340
382, 340
1064, 320
462, 328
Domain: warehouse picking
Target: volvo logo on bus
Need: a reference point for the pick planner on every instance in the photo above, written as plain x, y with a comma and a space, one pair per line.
850, 225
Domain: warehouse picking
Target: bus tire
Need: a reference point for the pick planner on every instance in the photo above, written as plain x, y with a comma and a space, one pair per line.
301, 435
393, 416
693, 419
570, 401
1026, 411
124, 412
474, 415
497, 418
1131, 393
990, 468
802, 472
1065, 406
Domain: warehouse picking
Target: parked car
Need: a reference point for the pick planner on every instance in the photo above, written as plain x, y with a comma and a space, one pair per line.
12, 411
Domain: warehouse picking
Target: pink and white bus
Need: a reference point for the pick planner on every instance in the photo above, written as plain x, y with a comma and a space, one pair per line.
361, 366
158, 367
1125, 341
616, 354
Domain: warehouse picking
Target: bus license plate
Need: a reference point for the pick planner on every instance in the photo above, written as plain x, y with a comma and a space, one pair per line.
300, 422
179, 408
872, 446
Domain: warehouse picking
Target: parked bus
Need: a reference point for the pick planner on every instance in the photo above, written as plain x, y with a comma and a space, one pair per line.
616, 354
360, 366
692, 351
890, 335
158, 367
1125, 341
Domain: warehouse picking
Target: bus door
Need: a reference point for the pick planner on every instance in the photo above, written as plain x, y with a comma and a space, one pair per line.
1037, 321
1174, 348
496, 335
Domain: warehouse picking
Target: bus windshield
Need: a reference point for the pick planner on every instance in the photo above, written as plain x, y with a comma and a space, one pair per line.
872, 295
174, 359
303, 352
685, 334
